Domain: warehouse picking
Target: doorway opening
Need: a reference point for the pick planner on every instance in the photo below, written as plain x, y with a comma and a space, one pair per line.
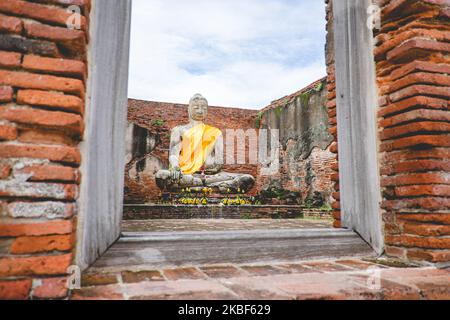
302, 122
216, 62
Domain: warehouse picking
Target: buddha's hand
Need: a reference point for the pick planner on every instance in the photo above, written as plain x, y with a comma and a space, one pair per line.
176, 174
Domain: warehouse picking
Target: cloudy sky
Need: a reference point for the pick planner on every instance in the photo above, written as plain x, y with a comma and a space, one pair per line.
242, 53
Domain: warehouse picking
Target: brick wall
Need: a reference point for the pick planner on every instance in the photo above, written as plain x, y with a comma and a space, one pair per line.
331, 105
148, 149
306, 160
42, 91
413, 66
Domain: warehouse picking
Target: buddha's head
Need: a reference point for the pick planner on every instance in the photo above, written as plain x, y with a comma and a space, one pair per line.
198, 108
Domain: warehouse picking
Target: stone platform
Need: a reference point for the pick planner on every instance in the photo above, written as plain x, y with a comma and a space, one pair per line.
157, 211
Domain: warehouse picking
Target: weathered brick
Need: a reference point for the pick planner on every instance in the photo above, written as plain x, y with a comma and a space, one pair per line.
423, 203
414, 48
98, 279
336, 214
39, 12
388, 158
423, 190
8, 132
426, 229
336, 195
336, 205
50, 173
56, 191
140, 276
50, 99
36, 228
67, 122
39, 265
417, 78
30, 46
434, 256
183, 274
414, 102
48, 210
416, 115
221, 271
6, 94
436, 217
414, 128
420, 66
5, 171
52, 65
395, 252
334, 147
41, 82
405, 35
415, 166
27, 245
418, 242
420, 90
10, 24
10, 59
337, 224
45, 136
335, 177
53, 153
81, 3
73, 41
416, 178
419, 140
51, 288
15, 289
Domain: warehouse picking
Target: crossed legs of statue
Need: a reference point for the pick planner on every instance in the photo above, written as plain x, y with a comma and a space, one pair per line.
222, 181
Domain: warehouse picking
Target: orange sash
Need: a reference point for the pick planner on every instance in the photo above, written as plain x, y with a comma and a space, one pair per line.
197, 144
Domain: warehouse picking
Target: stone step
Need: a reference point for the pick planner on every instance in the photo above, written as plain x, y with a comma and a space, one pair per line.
158, 211
170, 249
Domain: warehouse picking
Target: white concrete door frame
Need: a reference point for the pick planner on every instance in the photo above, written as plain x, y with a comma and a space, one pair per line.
101, 200
357, 103
103, 149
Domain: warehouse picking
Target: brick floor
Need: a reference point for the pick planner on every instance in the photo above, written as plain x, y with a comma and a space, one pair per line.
327, 279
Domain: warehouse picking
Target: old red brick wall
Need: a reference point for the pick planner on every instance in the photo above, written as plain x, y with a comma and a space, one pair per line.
331, 105
159, 118
413, 66
42, 91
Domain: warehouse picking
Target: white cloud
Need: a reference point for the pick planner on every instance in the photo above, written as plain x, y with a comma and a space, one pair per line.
237, 53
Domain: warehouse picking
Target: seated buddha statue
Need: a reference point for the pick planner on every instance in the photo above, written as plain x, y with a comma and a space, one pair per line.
196, 157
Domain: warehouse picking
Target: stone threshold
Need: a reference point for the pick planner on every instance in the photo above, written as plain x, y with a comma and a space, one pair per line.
168, 249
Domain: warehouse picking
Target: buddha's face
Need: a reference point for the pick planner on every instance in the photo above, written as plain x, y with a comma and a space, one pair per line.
198, 110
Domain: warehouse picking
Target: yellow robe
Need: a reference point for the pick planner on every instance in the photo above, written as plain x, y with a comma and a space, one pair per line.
197, 144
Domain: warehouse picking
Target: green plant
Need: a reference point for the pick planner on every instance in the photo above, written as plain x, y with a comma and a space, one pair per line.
259, 119
304, 98
319, 87
278, 111
326, 207
158, 122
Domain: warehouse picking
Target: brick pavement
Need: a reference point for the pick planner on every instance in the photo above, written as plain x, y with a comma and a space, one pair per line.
324, 279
